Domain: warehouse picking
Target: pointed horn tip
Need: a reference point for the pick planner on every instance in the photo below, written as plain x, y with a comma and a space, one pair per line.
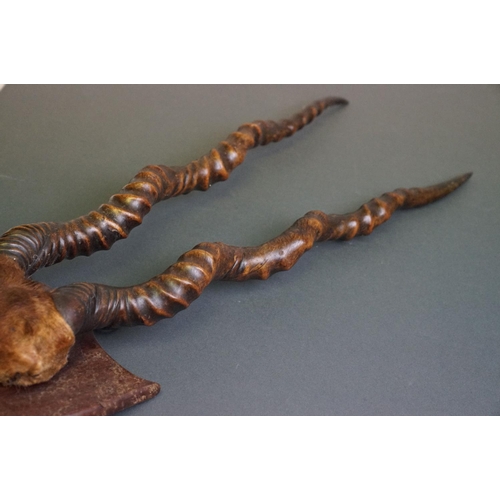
340, 101
463, 178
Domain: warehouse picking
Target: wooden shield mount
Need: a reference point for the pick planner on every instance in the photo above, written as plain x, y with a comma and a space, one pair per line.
92, 383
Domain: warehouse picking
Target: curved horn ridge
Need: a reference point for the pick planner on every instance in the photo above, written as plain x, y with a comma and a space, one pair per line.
39, 245
88, 306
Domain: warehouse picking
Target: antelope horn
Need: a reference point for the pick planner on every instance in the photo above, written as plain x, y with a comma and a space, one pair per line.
89, 306
44, 244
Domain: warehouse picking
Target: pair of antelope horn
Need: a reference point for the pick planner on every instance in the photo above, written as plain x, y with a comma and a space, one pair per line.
38, 325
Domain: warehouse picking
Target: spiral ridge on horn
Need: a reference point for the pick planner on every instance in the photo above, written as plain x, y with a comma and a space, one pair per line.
86, 306
40, 245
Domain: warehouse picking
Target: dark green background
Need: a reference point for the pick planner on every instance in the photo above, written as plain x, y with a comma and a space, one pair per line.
405, 321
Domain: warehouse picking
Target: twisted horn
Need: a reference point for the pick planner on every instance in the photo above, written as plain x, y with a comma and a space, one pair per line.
44, 244
87, 306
